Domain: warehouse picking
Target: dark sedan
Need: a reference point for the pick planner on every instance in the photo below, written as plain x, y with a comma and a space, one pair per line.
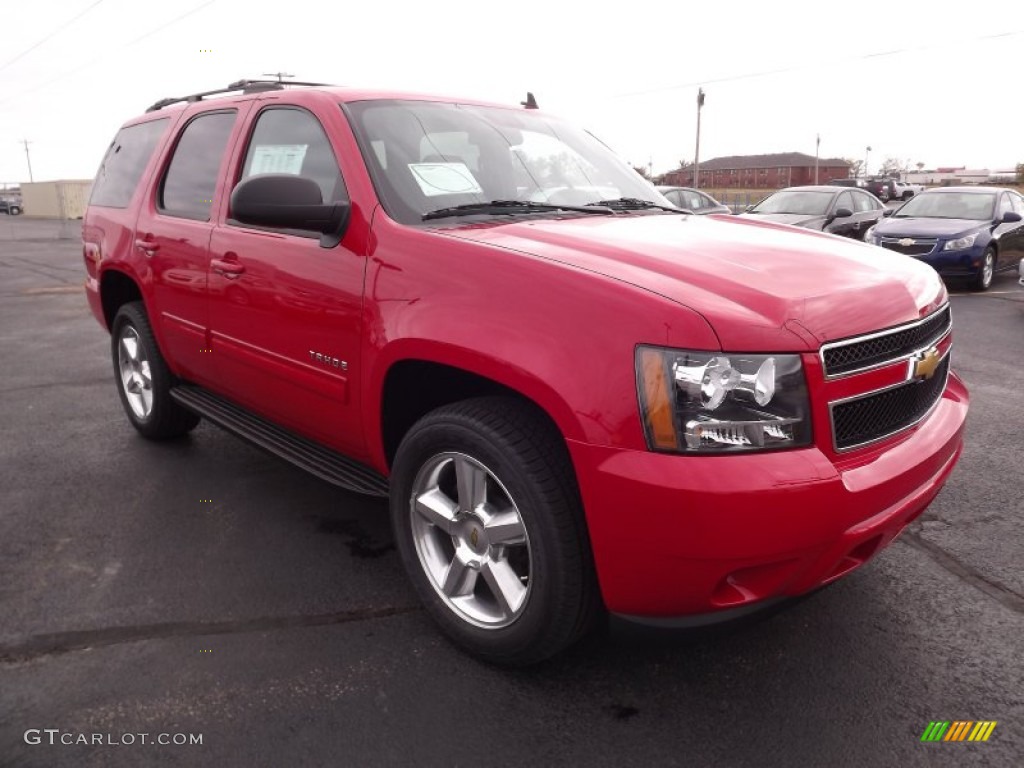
970, 232
838, 210
693, 200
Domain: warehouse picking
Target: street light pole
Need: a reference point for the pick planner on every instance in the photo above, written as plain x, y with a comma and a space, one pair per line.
817, 146
696, 152
867, 153
28, 158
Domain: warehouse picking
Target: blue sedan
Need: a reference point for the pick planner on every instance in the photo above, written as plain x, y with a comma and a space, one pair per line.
970, 232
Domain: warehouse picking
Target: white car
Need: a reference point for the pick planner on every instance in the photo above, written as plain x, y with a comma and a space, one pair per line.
905, 191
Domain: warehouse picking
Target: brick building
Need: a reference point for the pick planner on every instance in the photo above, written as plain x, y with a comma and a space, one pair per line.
785, 169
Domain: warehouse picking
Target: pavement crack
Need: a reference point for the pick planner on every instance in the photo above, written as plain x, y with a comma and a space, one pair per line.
998, 592
57, 643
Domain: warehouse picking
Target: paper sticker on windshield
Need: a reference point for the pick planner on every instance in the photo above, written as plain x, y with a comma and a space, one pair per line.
444, 179
278, 158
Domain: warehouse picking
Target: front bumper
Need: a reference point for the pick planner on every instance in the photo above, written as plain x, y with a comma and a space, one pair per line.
963, 263
678, 536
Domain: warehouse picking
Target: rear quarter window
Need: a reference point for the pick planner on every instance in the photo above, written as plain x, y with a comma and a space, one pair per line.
124, 163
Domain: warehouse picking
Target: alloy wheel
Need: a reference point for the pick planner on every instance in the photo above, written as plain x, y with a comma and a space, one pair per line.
136, 378
471, 540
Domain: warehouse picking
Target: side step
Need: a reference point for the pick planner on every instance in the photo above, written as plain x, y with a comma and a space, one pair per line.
314, 458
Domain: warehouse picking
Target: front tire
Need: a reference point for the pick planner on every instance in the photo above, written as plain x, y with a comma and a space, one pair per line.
490, 528
143, 378
983, 280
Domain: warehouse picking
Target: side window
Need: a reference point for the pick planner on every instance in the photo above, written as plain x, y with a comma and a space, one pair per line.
124, 163
845, 201
675, 197
863, 202
292, 141
1005, 206
191, 178
1018, 203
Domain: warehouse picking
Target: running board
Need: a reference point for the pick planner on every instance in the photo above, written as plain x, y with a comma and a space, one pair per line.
304, 453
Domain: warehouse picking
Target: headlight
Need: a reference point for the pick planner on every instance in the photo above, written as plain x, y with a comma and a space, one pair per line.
712, 402
960, 243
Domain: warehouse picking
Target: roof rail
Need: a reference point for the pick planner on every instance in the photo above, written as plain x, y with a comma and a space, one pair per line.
245, 86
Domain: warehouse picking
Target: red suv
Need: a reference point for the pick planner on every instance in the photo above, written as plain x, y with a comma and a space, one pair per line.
577, 397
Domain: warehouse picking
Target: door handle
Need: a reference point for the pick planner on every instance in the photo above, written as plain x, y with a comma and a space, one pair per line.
228, 268
146, 246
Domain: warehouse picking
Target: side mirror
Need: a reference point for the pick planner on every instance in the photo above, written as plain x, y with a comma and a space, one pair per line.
842, 213
286, 201
888, 211
1010, 217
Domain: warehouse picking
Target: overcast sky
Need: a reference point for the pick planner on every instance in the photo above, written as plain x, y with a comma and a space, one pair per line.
948, 92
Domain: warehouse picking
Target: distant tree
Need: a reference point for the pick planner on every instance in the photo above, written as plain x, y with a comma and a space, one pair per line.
891, 167
856, 166
920, 166
642, 171
1020, 173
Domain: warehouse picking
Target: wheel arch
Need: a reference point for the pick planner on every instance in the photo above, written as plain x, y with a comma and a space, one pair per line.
411, 384
117, 288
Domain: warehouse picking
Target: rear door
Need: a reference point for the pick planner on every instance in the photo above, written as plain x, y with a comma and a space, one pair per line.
285, 312
173, 234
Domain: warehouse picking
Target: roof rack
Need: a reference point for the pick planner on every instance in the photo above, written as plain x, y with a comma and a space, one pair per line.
245, 86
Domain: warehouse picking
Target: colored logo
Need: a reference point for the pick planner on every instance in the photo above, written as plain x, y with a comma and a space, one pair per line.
958, 730
925, 365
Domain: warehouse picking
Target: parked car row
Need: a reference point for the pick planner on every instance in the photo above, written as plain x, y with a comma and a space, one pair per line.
962, 232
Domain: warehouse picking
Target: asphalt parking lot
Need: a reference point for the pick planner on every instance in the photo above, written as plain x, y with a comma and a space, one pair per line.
202, 587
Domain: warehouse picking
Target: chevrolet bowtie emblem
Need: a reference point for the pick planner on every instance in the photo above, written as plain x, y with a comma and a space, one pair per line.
906, 241
926, 363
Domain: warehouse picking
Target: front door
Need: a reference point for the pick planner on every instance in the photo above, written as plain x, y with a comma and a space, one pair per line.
284, 311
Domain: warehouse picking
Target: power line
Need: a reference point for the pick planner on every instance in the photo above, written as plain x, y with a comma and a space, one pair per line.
55, 32
100, 58
814, 65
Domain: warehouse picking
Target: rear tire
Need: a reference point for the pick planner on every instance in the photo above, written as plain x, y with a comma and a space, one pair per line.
490, 528
143, 378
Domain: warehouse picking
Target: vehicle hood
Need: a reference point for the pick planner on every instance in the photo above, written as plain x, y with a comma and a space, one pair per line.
762, 287
911, 227
793, 219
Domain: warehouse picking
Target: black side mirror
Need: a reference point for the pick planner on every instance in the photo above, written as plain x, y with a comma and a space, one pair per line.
1010, 217
842, 213
888, 211
286, 201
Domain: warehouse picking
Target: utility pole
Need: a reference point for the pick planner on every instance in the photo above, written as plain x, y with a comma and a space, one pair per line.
696, 152
817, 146
28, 158
867, 154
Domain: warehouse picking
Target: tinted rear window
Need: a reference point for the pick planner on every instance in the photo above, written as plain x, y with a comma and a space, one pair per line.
124, 163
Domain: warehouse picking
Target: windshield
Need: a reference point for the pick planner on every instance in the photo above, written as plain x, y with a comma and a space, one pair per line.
804, 202
949, 205
426, 156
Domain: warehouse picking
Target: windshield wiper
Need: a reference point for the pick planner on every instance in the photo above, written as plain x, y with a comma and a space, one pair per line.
509, 206
636, 204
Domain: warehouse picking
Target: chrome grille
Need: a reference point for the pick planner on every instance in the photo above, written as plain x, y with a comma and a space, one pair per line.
871, 417
845, 357
917, 246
